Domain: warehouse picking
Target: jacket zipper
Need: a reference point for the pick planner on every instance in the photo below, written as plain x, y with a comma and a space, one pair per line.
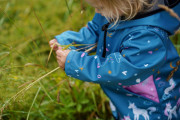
104, 28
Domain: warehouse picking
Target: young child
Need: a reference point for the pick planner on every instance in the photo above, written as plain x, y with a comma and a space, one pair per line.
134, 57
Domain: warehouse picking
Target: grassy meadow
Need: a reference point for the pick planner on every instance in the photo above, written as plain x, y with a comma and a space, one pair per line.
25, 29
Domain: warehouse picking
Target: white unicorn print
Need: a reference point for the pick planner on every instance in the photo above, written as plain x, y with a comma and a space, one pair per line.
137, 111
167, 94
118, 58
151, 110
169, 111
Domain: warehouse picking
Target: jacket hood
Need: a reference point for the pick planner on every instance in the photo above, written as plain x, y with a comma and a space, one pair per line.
161, 19
156, 3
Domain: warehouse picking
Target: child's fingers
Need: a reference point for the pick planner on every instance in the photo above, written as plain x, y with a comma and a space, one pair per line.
60, 53
67, 51
54, 46
52, 42
60, 63
58, 57
51, 46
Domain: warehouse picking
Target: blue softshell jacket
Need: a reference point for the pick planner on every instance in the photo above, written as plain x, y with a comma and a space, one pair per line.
139, 57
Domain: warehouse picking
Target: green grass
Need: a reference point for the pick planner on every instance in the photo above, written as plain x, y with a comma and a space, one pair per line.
24, 52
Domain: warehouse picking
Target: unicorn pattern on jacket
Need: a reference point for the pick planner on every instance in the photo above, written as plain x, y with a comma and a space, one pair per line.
137, 111
169, 111
167, 91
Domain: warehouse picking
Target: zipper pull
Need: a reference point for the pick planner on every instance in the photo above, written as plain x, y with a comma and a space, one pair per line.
105, 27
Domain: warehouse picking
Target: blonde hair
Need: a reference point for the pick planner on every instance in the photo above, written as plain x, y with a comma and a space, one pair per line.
115, 9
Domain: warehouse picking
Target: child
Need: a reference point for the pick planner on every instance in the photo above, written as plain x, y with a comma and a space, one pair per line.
134, 57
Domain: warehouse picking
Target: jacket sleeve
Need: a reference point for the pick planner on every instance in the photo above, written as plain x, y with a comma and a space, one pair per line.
87, 35
142, 53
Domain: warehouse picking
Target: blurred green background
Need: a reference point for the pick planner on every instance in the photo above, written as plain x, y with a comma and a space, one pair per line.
24, 52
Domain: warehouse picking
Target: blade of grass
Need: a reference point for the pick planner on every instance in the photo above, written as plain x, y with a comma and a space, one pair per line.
90, 49
68, 7
84, 47
35, 65
25, 83
42, 115
5, 45
41, 25
94, 100
46, 91
50, 53
33, 102
13, 111
58, 96
5, 52
51, 90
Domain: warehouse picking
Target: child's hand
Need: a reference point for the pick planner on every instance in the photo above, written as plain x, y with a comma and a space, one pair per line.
52, 42
61, 57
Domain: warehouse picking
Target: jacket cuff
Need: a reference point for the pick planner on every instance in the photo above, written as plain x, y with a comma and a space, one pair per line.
59, 40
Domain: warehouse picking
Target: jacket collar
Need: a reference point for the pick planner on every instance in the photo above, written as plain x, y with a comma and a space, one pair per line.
161, 19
